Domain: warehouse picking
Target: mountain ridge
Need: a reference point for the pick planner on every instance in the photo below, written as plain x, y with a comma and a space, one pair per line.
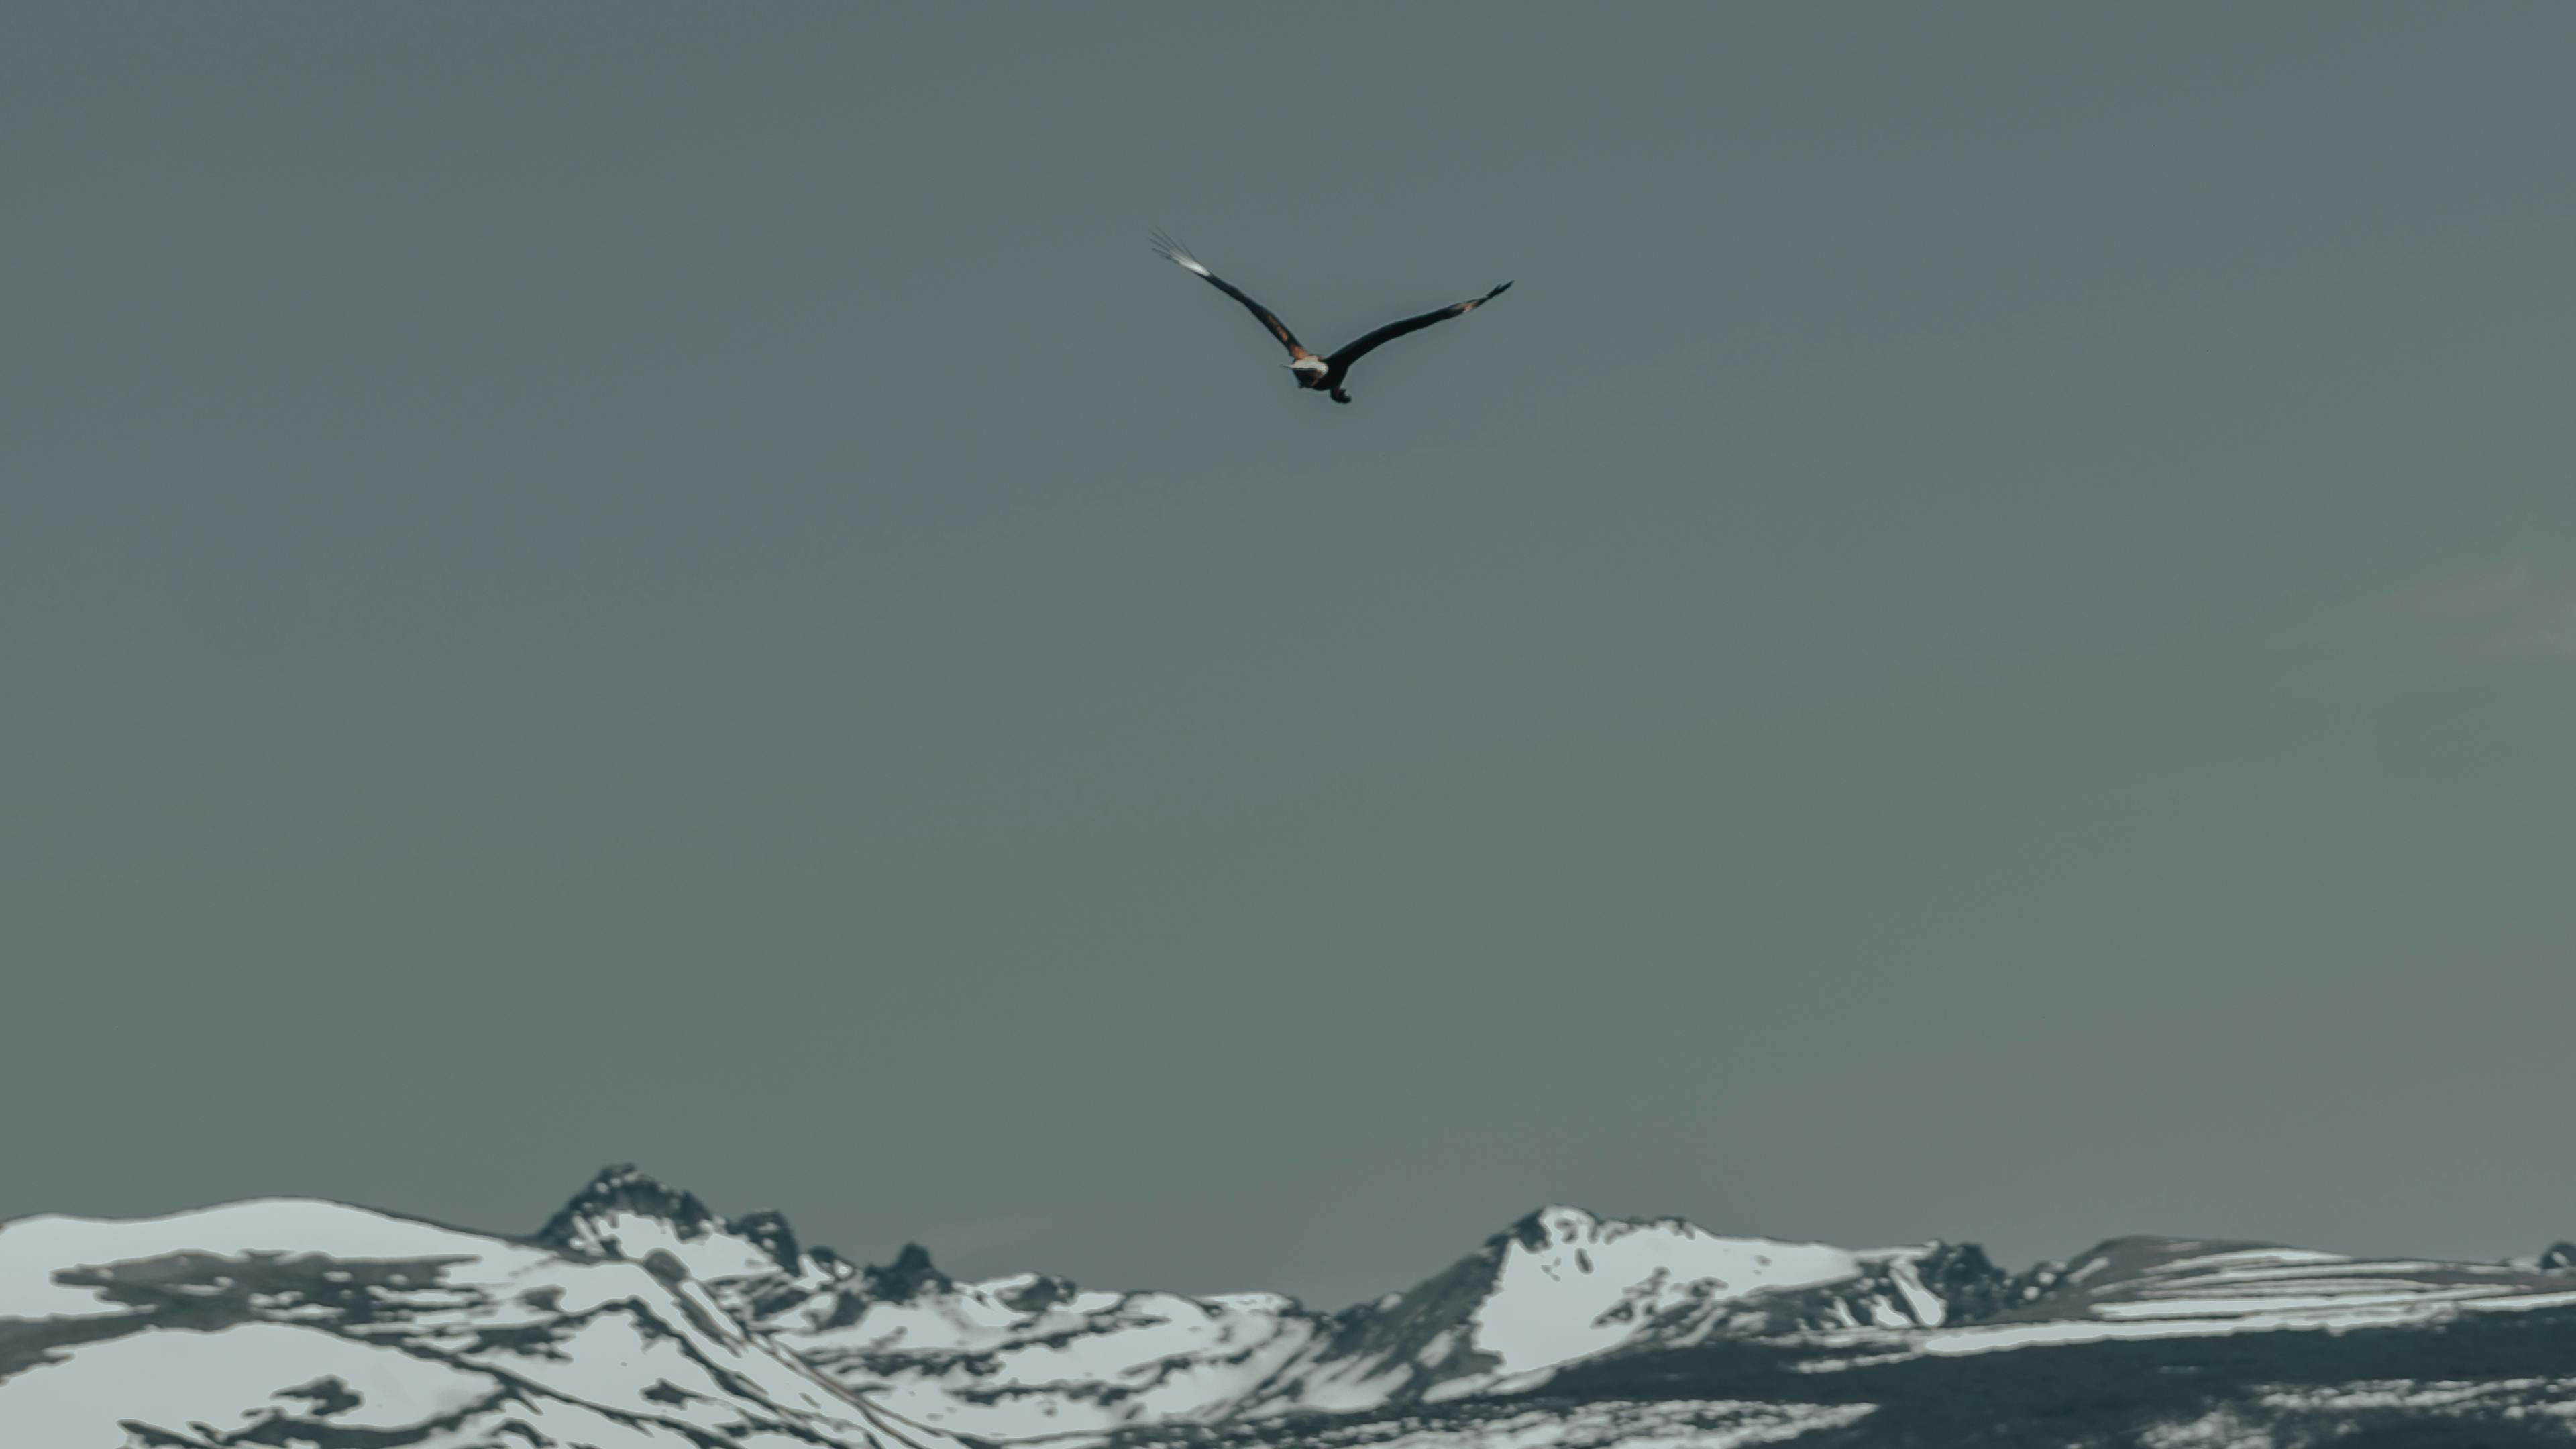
637, 1315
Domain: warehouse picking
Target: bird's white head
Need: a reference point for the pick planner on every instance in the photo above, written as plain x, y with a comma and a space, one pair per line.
1313, 366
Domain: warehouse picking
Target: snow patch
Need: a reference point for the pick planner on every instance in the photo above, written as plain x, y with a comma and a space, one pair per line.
1590, 1285
33, 1250
225, 1379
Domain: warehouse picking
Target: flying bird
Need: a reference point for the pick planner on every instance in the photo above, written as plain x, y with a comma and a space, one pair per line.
1325, 373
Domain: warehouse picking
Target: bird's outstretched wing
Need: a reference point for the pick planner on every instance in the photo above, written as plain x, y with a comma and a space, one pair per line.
1180, 256
1350, 352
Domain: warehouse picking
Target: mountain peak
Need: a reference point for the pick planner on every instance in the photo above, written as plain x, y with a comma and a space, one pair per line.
1571, 1310
907, 1278
767, 1230
1554, 1223
624, 1212
618, 1191
1562, 1225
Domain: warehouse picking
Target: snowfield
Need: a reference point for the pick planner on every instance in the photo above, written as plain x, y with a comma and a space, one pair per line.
637, 1317
230, 1321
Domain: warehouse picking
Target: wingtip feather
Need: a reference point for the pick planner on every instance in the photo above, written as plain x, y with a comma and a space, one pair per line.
1175, 253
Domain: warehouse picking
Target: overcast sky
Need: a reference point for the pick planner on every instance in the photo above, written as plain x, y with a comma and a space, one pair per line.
1984, 646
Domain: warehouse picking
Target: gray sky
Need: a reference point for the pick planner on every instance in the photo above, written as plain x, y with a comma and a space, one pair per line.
1985, 646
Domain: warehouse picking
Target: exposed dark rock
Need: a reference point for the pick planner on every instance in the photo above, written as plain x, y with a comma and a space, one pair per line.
324, 1396
768, 1231
909, 1276
1044, 1293
576, 1230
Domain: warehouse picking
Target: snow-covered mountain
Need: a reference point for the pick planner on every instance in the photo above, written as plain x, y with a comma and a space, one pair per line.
1029, 1355
637, 1316
313, 1323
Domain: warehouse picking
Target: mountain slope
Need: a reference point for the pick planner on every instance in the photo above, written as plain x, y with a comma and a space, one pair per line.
1027, 1356
290, 1321
636, 1316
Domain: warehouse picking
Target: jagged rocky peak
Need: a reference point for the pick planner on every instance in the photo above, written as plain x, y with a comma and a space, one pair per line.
315, 1323
768, 1231
585, 1226
1558, 1224
1554, 1223
1676, 1281
1561, 1282
625, 1212
907, 1278
1966, 1280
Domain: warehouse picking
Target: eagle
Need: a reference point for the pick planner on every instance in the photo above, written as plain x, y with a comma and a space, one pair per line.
1319, 374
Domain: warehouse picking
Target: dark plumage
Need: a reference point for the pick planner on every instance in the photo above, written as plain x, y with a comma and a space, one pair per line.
1326, 373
